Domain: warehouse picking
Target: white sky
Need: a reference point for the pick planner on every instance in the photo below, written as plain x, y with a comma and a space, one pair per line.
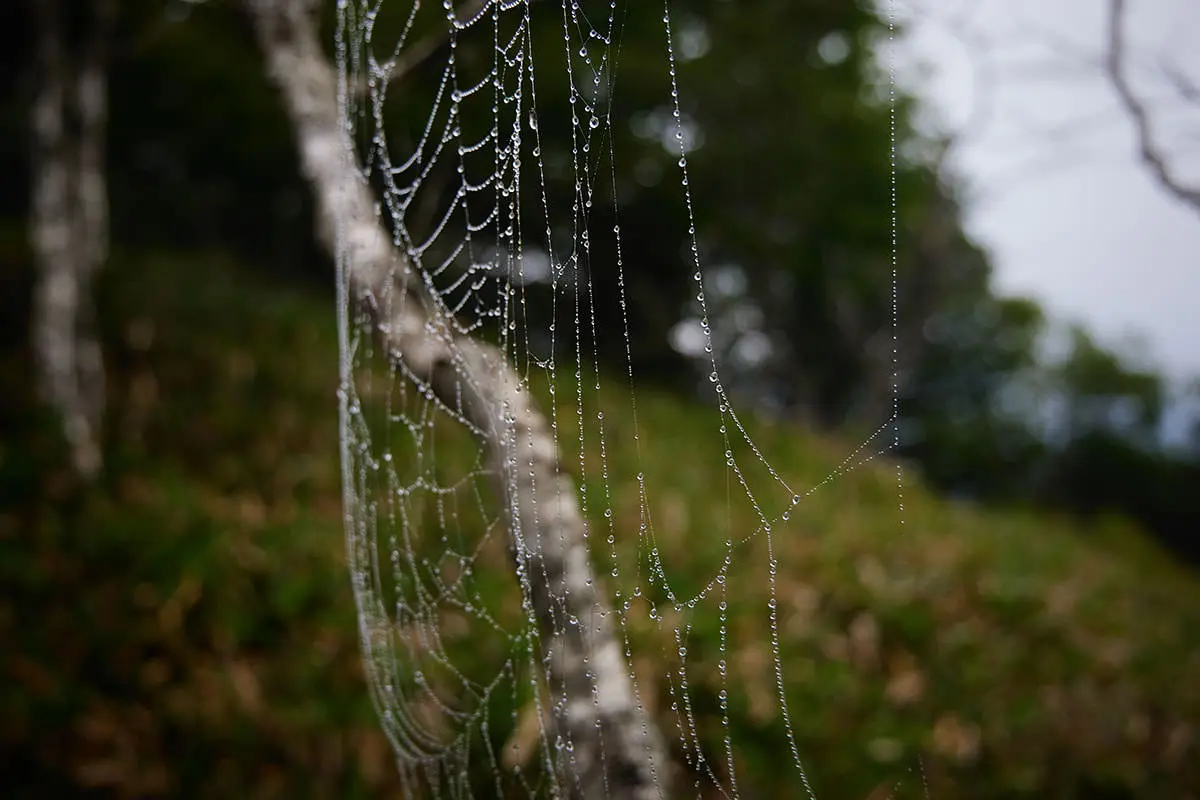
1073, 219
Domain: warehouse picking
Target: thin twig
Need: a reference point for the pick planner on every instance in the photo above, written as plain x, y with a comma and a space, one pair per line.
1149, 152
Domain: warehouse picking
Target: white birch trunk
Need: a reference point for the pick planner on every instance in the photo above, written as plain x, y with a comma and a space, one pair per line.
69, 220
616, 750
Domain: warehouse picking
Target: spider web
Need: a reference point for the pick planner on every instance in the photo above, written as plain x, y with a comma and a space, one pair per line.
451, 649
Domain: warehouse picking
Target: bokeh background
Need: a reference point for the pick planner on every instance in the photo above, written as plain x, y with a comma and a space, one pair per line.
181, 624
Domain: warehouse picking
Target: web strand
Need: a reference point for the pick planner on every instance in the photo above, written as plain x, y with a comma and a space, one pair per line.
491, 187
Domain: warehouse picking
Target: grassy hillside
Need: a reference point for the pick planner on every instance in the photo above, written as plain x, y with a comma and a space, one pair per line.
187, 629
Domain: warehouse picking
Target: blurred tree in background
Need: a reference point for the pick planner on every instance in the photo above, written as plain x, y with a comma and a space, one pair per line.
792, 134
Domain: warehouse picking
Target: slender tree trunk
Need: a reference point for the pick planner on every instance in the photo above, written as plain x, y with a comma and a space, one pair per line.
69, 215
616, 750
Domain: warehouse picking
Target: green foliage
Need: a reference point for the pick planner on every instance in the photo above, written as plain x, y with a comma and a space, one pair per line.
1106, 392
955, 423
186, 628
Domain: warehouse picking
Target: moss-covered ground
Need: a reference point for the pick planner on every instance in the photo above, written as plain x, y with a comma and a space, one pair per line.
186, 626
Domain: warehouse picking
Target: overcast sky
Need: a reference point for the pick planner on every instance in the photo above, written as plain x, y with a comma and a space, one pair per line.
1068, 212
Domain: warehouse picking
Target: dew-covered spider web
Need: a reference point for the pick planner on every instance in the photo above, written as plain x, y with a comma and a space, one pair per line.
486, 132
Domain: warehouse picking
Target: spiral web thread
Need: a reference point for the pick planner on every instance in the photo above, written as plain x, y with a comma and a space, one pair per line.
451, 656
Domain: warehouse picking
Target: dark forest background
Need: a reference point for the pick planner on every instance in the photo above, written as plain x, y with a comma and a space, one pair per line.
793, 144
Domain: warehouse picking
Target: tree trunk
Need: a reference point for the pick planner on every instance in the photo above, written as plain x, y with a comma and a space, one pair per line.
69, 215
616, 750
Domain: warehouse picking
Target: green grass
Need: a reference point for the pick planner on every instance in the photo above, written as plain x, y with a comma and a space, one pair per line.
186, 628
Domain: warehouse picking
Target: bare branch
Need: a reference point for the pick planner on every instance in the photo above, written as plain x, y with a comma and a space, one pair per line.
1149, 151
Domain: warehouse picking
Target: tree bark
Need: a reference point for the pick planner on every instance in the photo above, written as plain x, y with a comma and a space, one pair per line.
69, 216
616, 752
